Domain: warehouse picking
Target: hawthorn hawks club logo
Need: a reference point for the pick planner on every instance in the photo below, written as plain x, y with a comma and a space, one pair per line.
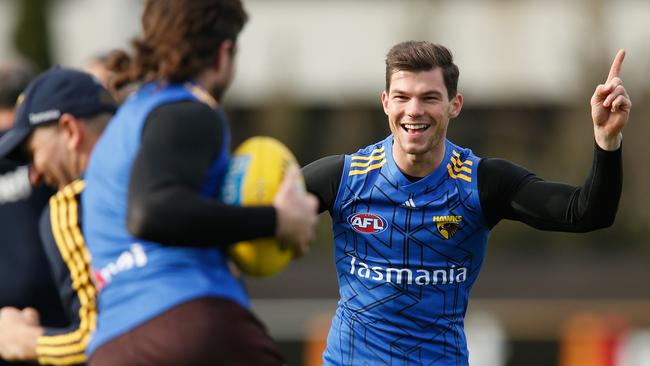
447, 226
367, 223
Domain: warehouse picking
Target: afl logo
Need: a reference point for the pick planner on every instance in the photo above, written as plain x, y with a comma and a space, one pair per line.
367, 223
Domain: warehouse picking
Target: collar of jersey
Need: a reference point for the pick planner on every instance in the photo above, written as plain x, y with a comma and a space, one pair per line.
397, 176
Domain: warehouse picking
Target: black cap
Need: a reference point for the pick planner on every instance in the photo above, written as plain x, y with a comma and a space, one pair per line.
48, 97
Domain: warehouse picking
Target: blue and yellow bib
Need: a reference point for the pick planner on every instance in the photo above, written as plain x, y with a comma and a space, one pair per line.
407, 254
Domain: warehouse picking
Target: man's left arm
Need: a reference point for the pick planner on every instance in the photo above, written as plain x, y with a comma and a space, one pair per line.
508, 191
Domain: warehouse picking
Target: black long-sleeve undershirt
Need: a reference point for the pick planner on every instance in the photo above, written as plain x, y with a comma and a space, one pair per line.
179, 143
508, 191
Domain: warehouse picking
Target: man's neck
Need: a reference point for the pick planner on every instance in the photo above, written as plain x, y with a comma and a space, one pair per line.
84, 154
419, 165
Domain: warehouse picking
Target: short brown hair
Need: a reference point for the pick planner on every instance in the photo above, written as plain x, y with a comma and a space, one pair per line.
422, 56
180, 39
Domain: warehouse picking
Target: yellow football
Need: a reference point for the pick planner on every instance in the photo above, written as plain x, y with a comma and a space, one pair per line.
254, 175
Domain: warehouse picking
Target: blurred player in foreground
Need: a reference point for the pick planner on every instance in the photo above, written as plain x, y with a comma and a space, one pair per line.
412, 213
61, 116
156, 231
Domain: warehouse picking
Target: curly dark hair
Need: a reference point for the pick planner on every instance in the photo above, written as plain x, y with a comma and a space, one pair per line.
422, 56
180, 38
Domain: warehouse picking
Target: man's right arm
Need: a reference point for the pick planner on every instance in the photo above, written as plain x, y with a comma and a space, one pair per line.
22, 337
323, 178
179, 143
71, 269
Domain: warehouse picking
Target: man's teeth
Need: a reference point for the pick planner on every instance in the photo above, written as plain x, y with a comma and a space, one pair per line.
415, 126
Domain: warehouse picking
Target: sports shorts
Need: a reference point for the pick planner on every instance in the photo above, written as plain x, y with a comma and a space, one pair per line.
205, 331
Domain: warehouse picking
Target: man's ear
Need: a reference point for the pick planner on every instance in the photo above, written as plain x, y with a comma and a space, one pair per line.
456, 105
73, 130
224, 56
384, 101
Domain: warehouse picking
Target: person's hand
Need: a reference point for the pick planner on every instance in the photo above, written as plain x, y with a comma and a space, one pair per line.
30, 316
19, 332
297, 214
610, 108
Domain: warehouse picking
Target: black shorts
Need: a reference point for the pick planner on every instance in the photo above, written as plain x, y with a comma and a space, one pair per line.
205, 331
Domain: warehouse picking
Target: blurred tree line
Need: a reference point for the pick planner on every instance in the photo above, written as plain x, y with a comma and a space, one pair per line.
31, 33
554, 141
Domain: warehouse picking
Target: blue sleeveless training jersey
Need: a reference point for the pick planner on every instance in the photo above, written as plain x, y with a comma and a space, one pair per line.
139, 279
407, 254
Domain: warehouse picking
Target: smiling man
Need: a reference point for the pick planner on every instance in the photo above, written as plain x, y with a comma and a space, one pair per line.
412, 213
61, 115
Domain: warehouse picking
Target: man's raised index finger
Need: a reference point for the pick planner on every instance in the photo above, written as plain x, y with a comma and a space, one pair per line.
615, 70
